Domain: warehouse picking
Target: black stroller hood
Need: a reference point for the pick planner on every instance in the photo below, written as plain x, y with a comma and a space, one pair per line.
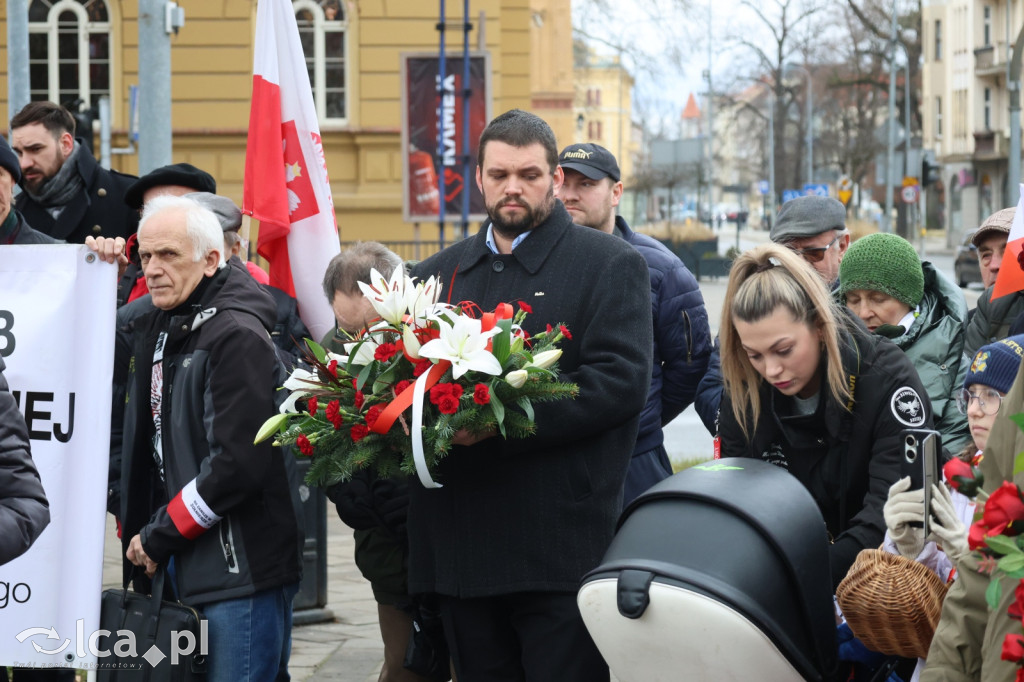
741, 532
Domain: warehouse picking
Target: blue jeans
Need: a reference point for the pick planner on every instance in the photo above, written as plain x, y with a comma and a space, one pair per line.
251, 637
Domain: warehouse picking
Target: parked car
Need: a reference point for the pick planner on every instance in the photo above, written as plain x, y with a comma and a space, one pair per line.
966, 267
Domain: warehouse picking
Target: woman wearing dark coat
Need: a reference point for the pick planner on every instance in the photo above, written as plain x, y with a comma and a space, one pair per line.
809, 389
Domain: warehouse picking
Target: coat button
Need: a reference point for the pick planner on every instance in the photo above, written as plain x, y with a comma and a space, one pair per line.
821, 441
96, 229
102, 192
498, 265
184, 327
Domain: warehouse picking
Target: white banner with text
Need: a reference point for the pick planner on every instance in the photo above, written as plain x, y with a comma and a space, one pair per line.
57, 339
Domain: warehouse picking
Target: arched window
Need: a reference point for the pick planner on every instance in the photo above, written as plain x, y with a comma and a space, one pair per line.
322, 28
69, 50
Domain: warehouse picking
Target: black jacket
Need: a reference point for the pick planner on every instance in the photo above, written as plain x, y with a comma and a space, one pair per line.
99, 210
220, 373
537, 513
858, 455
24, 511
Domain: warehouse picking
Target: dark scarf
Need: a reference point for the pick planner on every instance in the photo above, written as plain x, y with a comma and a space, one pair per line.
9, 228
58, 190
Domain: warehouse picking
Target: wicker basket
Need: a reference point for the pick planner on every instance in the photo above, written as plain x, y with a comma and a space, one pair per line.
892, 604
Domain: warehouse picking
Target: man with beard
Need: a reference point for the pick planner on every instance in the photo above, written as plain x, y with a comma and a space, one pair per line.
65, 192
682, 339
519, 522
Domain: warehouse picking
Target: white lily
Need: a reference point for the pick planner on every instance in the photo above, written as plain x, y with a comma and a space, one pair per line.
299, 384
545, 359
421, 299
516, 378
387, 296
464, 344
411, 343
363, 355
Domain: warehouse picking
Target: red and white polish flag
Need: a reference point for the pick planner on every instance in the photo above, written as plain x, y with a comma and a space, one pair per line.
286, 183
1011, 275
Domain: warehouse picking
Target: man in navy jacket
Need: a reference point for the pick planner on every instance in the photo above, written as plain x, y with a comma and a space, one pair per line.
682, 339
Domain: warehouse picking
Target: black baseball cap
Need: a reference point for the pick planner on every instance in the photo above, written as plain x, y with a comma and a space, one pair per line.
592, 160
184, 174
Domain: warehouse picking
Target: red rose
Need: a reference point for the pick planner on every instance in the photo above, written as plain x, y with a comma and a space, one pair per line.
1002, 509
359, 432
401, 386
305, 447
565, 331
358, 400
332, 367
421, 367
1013, 648
1016, 609
385, 352
525, 307
1019, 677
373, 414
311, 404
448, 405
963, 477
481, 394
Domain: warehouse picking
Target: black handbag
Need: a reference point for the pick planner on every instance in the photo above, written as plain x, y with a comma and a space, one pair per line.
427, 653
170, 637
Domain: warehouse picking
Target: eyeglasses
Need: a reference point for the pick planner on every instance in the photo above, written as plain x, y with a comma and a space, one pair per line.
814, 254
988, 399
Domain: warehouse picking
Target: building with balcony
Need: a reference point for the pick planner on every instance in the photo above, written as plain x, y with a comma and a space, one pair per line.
602, 106
965, 106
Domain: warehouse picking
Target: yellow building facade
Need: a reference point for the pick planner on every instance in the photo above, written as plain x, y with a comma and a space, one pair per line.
355, 61
602, 107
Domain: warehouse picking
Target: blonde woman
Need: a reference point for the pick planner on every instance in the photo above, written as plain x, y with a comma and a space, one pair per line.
809, 389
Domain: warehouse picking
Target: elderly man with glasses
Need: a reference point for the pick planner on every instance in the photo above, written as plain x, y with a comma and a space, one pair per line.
815, 228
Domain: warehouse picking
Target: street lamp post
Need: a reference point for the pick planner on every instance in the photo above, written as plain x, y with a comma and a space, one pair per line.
890, 159
770, 214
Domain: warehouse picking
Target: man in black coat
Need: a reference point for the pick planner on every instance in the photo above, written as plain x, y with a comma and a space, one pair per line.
66, 194
518, 523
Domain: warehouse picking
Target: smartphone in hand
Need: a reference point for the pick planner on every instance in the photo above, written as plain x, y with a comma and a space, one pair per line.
921, 457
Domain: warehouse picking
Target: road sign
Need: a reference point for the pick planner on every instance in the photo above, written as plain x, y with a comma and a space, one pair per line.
788, 194
845, 184
909, 181
909, 194
844, 196
813, 189
762, 186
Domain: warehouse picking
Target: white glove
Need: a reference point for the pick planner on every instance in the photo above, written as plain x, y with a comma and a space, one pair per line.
947, 530
901, 509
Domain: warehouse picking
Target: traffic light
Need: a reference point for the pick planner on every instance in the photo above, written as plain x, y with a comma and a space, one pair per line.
83, 121
929, 172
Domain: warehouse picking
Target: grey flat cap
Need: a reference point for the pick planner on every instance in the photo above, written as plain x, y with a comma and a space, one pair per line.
228, 214
806, 217
999, 222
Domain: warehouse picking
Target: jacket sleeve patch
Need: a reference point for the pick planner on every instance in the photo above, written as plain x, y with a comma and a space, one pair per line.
190, 513
907, 407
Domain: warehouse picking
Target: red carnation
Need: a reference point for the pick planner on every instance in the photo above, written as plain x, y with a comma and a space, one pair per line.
442, 391
1013, 648
525, 307
311, 404
547, 329
305, 447
373, 414
481, 394
359, 432
401, 386
355, 383
333, 413
385, 352
565, 331
448, 405
421, 367
332, 367
358, 399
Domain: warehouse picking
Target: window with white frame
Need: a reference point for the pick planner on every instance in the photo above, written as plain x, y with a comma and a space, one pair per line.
938, 117
69, 50
988, 109
323, 29
987, 26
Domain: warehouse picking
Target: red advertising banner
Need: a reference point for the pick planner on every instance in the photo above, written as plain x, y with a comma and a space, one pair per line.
424, 163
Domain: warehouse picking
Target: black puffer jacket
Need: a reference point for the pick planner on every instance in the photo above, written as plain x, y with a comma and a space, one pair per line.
24, 512
848, 458
228, 510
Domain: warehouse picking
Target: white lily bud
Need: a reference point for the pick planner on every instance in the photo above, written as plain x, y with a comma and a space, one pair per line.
411, 343
517, 344
546, 358
516, 378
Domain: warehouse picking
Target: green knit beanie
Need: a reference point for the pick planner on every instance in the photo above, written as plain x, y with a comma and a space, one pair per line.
883, 262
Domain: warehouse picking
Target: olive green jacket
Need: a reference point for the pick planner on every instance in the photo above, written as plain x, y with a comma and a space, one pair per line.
935, 344
969, 639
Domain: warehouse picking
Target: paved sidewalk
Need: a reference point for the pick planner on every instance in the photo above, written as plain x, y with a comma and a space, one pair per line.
346, 649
